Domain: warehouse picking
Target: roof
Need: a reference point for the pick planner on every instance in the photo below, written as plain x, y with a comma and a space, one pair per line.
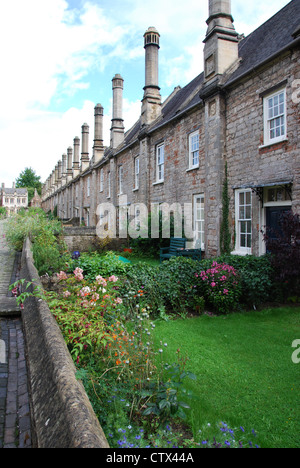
12, 191
276, 34
268, 40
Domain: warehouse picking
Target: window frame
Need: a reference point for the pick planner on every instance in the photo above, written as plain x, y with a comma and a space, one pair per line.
191, 152
88, 190
120, 179
201, 220
239, 248
136, 172
160, 165
108, 184
267, 119
101, 185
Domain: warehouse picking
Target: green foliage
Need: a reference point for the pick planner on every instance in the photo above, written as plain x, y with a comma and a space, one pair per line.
3, 212
174, 285
28, 179
224, 231
49, 252
166, 398
94, 264
220, 285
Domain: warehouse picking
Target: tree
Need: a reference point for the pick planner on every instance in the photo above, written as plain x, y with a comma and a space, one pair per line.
28, 179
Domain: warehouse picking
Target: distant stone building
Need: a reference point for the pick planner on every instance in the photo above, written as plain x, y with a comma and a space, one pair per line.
243, 110
13, 199
36, 201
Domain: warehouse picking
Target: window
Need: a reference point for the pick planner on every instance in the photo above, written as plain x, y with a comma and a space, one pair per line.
199, 220
194, 150
137, 219
136, 172
244, 221
108, 185
275, 117
160, 163
101, 180
120, 180
277, 194
88, 186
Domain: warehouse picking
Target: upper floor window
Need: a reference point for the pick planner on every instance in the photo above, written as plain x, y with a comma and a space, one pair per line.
194, 150
108, 185
275, 117
88, 186
101, 180
136, 172
160, 163
120, 180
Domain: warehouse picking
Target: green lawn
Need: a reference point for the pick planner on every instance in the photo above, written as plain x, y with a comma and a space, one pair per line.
245, 374
148, 260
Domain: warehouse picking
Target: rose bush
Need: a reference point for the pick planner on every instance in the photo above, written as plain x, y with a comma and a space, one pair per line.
220, 287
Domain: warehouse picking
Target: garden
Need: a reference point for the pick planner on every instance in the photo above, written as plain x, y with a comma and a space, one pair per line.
182, 354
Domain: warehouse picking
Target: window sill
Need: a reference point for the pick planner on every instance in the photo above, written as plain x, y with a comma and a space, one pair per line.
135, 189
159, 182
243, 252
273, 143
192, 168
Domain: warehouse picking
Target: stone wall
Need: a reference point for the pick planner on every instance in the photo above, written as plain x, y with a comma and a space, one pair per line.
61, 411
80, 238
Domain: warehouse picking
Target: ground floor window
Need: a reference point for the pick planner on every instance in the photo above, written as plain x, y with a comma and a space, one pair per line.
199, 220
243, 221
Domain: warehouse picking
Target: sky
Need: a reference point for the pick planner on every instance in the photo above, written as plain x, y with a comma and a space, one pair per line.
58, 58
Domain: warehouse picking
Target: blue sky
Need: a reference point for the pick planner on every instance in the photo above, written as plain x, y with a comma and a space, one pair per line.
59, 57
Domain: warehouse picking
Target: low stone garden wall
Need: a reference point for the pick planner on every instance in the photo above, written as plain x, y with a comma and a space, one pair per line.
61, 412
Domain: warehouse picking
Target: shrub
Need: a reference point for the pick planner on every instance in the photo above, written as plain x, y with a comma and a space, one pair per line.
94, 264
221, 286
49, 251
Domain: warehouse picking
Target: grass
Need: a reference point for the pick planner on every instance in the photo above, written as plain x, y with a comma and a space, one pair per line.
135, 259
245, 374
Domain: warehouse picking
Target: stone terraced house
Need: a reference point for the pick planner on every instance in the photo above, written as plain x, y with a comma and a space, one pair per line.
241, 112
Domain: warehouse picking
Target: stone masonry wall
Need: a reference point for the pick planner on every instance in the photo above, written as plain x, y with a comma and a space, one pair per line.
248, 161
61, 411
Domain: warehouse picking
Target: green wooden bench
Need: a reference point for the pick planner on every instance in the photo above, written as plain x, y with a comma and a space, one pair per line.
176, 243
195, 253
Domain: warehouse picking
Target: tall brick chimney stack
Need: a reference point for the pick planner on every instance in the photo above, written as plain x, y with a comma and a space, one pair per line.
98, 148
85, 161
117, 123
221, 41
151, 103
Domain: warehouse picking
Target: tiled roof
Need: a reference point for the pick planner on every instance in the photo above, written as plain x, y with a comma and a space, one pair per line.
269, 39
12, 191
262, 44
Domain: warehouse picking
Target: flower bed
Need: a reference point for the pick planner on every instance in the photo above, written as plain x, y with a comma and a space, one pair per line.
140, 399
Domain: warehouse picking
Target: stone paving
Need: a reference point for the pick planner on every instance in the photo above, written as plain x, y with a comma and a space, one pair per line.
15, 424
